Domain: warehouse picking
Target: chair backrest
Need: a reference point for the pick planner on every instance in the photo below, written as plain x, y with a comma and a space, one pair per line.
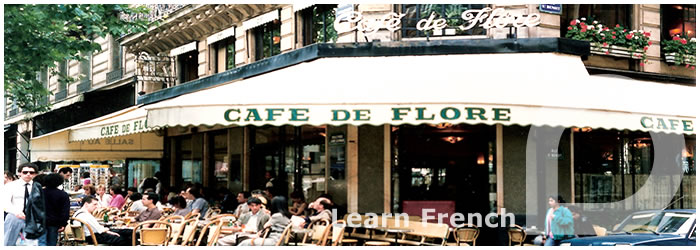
224, 217
600, 231
212, 212
337, 232
153, 233
189, 227
211, 230
318, 231
192, 215
78, 231
429, 231
516, 234
466, 234
285, 235
173, 219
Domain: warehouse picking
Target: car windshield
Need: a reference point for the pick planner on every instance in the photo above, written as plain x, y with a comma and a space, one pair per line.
659, 222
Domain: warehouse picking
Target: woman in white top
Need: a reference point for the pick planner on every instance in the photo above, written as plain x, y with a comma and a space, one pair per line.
102, 196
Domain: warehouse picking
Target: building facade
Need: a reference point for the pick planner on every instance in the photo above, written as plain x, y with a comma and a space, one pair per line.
387, 107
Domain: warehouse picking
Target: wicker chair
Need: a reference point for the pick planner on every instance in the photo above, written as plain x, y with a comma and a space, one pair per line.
189, 228
516, 234
153, 233
75, 234
467, 235
206, 231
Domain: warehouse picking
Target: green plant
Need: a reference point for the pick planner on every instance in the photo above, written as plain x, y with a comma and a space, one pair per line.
603, 36
684, 48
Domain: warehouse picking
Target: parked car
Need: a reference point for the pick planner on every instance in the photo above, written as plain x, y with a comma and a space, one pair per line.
670, 227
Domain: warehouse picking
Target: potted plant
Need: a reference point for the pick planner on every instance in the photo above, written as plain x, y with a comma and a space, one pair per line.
680, 50
612, 41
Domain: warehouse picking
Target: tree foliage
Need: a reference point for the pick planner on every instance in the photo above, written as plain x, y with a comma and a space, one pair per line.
37, 36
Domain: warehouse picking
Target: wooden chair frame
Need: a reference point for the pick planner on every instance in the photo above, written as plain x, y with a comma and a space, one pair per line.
78, 231
189, 228
516, 234
157, 226
213, 237
470, 231
316, 235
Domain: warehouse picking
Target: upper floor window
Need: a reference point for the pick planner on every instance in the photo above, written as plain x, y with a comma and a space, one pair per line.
317, 22
606, 14
267, 39
223, 55
86, 67
63, 74
452, 13
678, 20
188, 66
116, 53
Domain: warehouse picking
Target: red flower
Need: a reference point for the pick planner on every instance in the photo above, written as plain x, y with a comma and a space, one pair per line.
692, 67
573, 22
605, 44
584, 28
683, 41
614, 37
647, 34
649, 43
617, 26
569, 28
641, 64
613, 33
628, 36
675, 38
606, 29
607, 52
646, 48
687, 65
625, 30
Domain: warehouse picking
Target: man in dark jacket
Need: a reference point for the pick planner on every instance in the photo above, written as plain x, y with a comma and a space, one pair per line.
18, 199
57, 216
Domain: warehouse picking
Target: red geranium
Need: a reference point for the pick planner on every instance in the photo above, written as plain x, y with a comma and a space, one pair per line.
649, 43
675, 38
628, 36
573, 22
569, 28
617, 26
684, 42
584, 28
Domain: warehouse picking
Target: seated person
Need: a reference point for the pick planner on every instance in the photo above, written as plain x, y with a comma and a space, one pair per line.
179, 206
251, 223
152, 212
137, 203
277, 223
242, 208
199, 204
119, 237
322, 206
298, 204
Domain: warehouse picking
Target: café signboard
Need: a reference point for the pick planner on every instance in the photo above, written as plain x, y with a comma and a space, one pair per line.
486, 18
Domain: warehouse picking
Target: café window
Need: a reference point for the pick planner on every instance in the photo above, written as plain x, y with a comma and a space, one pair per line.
607, 14
317, 22
267, 40
63, 74
452, 13
222, 55
188, 66
116, 53
678, 20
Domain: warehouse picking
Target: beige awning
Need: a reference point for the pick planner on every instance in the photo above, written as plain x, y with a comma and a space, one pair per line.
549, 89
124, 122
57, 147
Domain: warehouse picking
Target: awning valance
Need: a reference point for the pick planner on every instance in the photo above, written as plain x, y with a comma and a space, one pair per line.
514, 88
260, 20
128, 121
56, 147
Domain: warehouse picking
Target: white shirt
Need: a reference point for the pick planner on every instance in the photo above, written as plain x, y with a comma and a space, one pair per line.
13, 196
252, 224
138, 206
90, 220
104, 200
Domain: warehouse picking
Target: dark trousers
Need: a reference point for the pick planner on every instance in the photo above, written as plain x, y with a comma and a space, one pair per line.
51, 235
124, 238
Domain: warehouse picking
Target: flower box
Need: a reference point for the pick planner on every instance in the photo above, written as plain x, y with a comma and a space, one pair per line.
675, 59
616, 51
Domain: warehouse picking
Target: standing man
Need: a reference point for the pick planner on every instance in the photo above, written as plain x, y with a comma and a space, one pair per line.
67, 173
15, 202
151, 213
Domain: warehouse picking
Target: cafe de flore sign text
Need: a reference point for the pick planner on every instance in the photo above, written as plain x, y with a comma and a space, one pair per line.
486, 18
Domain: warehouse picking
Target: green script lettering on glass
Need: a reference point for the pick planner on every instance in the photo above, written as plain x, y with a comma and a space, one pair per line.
227, 115
298, 115
661, 123
421, 115
687, 125
271, 114
644, 123
673, 123
361, 114
499, 115
471, 113
398, 113
254, 113
336, 117
455, 113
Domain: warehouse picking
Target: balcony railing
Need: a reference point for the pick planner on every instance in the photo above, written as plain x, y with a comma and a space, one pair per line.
84, 85
157, 12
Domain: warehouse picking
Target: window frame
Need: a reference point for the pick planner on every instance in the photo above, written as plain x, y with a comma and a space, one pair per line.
307, 23
259, 39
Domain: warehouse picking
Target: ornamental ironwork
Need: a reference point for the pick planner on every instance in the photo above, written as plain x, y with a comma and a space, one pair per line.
154, 72
157, 12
